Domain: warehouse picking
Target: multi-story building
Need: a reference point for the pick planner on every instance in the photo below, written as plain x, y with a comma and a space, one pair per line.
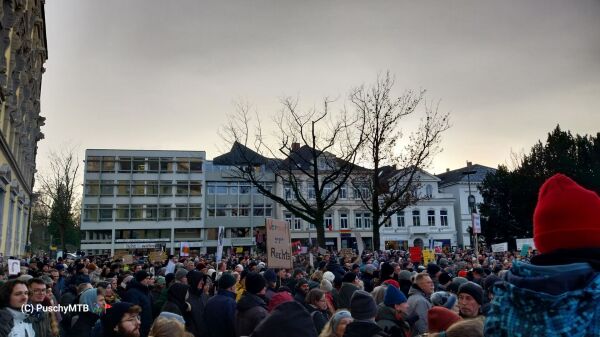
423, 224
23, 52
141, 200
462, 183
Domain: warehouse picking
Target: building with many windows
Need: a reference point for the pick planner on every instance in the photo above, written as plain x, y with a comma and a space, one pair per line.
461, 183
141, 200
23, 51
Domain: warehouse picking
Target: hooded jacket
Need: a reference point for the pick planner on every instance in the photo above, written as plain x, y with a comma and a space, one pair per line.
219, 314
346, 292
418, 306
364, 329
250, 311
176, 300
556, 300
139, 294
386, 319
197, 301
289, 319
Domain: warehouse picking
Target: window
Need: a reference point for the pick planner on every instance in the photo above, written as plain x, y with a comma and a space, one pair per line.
195, 212
328, 221
221, 210
183, 166
233, 188
244, 210
108, 164
367, 220
153, 165
92, 187
139, 165
125, 165
122, 213
358, 220
195, 165
195, 188
326, 190
311, 193
428, 191
182, 188
92, 164
90, 213
258, 210
151, 188
297, 224
106, 213
444, 218
287, 192
244, 189
431, 217
123, 188
387, 223
138, 187
288, 219
400, 219
106, 188
151, 212
166, 165
164, 212
416, 215
269, 210
343, 192
181, 212
343, 221
221, 188
165, 188
136, 212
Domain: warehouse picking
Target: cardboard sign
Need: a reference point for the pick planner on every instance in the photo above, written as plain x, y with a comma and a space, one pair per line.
127, 259
322, 251
346, 252
14, 267
279, 248
415, 254
119, 255
500, 247
157, 256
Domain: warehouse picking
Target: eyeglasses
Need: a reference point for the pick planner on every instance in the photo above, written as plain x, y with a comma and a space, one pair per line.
39, 291
132, 319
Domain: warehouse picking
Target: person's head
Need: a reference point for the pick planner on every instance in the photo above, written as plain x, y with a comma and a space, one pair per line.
466, 328
94, 299
350, 277
394, 298
181, 276
440, 319
122, 319
255, 283
302, 286
14, 294
362, 306
316, 297
424, 282
143, 277
443, 299
270, 277
337, 323
168, 327
227, 282
470, 298
279, 298
37, 290
54, 275
82, 287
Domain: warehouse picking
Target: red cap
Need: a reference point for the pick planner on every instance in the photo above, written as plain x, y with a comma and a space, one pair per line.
392, 283
462, 273
440, 319
566, 216
278, 299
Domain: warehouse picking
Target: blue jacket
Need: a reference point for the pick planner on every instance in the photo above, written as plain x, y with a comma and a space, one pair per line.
219, 314
559, 300
139, 294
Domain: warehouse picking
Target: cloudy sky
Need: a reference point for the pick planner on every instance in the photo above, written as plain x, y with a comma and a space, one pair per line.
142, 74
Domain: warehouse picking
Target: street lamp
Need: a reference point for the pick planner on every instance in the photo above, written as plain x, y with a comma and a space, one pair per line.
471, 205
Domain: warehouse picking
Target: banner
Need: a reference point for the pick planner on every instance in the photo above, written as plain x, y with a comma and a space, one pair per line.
184, 249
279, 248
476, 218
14, 267
521, 242
415, 254
428, 256
437, 246
220, 239
360, 245
500, 247
296, 247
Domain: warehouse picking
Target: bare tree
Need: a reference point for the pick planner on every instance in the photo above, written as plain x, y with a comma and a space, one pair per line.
313, 155
393, 182
58, 195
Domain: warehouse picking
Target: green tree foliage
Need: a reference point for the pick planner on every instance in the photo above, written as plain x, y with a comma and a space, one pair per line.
511, 195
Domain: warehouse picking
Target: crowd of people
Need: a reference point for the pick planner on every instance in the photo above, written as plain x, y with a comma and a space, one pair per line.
461, 293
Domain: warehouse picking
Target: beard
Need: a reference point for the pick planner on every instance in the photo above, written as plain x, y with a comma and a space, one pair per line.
132, 333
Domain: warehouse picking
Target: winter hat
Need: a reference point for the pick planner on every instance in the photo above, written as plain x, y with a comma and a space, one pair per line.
386, 271
349, 277
226, 281
169, 278
278, 299
393, 296
392, 283
444, 278
362, 305
443, 262
180, 274
161, 280
255, 282
114, 314
25, 277
490, 281
326, 285
369, 269
462, 273
433, 268
141, 275
301, 282
404, 275
443, 299
270, 276
472, 289
566, 216
337, 318
456, 283
441, 318
329, 276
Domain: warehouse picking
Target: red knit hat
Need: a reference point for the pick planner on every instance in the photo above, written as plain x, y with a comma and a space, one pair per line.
393, 283
279, 298
566, 216
440, 319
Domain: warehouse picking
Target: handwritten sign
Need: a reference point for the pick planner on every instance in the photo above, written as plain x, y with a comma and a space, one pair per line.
157, 256
279, 248
415, 254
184, 249
500, 247
127, 259
14, 267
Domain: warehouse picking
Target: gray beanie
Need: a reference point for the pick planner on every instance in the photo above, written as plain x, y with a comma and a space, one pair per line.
362, 306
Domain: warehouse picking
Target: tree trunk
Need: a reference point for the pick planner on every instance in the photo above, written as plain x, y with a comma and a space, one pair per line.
376, 227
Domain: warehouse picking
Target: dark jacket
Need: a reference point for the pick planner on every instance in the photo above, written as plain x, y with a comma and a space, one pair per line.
289, 319
319, 317
219, 314
83, 325
386, 319
139, 294
251, 310
346, 292
197, 301
176, 300
364, 329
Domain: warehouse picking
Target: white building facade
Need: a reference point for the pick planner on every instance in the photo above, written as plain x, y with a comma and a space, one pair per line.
138, 201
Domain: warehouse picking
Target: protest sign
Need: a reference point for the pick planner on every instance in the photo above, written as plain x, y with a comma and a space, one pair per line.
428, 256
14, 267
521, 242
279, 248
360, 245
500, 247
157, 256
127, 259
220, 241
347, 252
415, 254
476, 219
184, 249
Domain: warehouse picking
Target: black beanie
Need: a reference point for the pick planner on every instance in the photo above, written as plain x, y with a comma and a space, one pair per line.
349, 277
472, 289
362, 306
444, 278
433, 269
255, 282
226, 281
141, 275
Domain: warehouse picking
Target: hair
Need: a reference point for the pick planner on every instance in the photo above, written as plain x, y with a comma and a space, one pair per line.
317, 276
466, 328
81, 287
378, 293
314, 296
6, 290
328, 328
421, 276
168, 327
35, 280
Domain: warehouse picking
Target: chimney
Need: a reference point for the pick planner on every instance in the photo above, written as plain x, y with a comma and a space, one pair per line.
469, 164
447, 170
295, 146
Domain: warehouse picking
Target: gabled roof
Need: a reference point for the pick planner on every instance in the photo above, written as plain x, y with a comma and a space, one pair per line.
387, 172
302, 158
240, 155
457, 176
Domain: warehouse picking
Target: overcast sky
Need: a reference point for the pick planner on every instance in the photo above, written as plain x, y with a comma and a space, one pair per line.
147, 74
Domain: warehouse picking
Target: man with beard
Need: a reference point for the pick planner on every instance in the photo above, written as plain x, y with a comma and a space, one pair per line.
41, 320
302, 289
121, 320
138, 293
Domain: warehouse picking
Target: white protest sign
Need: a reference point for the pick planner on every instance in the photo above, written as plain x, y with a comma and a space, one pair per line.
521, 242
14, 267
500, 247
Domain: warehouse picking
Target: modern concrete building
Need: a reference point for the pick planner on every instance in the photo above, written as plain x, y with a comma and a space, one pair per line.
461, 183
23, 51
142, 200
430, 220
